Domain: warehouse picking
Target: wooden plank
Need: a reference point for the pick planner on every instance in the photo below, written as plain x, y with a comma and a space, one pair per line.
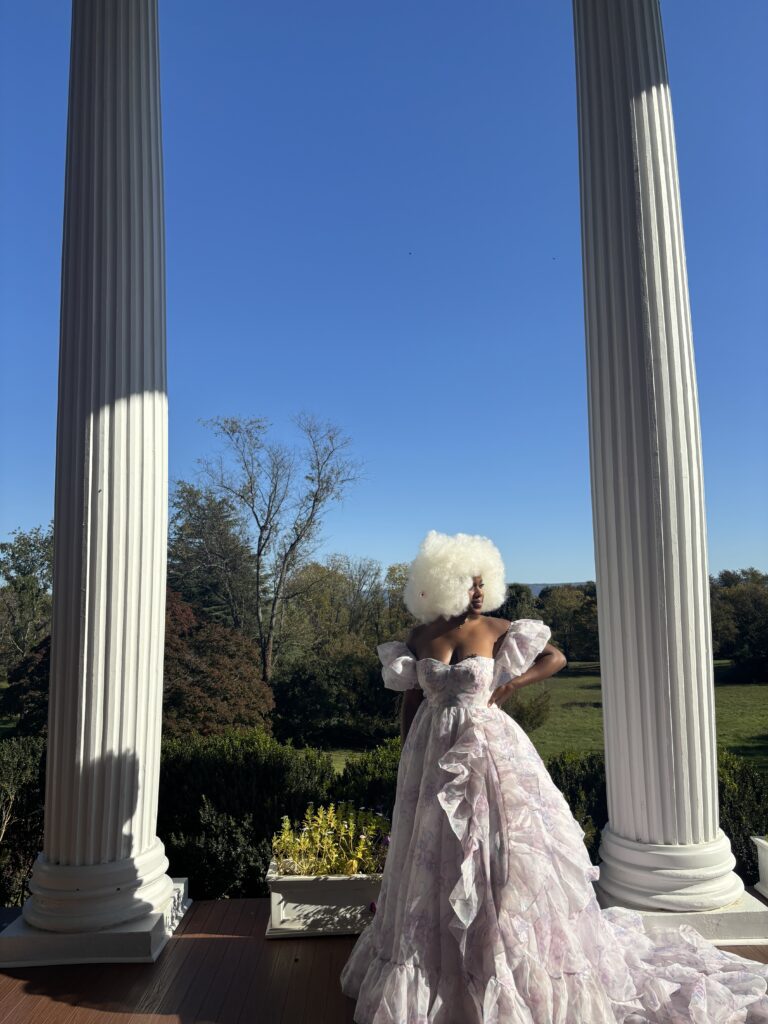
217, 968
297, 1006
206, 969
267, 988
105, 995
10, 976
251, 948
126, 983
37, 996
184, 958
340, 1007
231, 947
59, 994
10, 979
317, 980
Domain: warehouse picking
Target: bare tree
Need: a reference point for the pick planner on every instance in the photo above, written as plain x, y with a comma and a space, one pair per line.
284, 495
362, 589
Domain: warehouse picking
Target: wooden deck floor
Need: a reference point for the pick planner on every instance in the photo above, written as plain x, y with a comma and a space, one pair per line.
218, 968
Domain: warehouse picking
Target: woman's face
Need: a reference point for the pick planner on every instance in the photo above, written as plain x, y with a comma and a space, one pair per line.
476, 594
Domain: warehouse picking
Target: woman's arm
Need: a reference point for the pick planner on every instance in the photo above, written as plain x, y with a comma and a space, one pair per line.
550, 661
411, 698
411, 701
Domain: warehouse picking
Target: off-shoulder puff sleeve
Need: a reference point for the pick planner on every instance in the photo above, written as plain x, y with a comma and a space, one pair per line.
524, 641
399, 666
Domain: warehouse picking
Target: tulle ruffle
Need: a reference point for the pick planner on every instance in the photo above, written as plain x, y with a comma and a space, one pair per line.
398, 666
525, 944
409, 993
398, 993
683, 978
386, 992
539, 949
524, 641
487, 913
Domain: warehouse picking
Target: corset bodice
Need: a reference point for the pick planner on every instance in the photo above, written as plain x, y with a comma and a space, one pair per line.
468, 683
471, 681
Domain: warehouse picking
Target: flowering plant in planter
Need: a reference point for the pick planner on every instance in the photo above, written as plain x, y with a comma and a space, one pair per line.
331, 841
325, 872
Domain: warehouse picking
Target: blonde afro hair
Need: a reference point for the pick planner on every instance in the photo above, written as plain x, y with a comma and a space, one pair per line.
440, 576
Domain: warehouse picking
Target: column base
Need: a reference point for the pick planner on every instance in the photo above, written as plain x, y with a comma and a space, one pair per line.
651, 876
138, 941
93, 897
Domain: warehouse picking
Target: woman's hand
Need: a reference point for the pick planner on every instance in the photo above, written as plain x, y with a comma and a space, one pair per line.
502, 693
550, 661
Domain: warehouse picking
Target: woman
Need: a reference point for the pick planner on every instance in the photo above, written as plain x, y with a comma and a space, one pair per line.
486, 913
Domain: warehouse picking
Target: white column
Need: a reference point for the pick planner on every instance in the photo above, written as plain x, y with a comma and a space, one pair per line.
102, 863
662, 847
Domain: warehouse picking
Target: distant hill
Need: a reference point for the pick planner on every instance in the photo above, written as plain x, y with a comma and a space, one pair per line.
536, 588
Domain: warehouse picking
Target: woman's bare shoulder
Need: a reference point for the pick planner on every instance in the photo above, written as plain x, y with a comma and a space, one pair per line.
498, 626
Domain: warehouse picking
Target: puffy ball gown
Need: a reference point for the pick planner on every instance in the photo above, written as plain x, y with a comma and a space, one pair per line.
487, 913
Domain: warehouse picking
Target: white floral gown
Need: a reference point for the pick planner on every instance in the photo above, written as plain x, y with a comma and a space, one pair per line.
487, 913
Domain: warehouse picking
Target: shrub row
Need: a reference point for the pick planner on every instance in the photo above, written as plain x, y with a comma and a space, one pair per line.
223, 797
22, 788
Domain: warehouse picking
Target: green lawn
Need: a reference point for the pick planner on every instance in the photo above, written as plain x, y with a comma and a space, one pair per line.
576, 716
576, 719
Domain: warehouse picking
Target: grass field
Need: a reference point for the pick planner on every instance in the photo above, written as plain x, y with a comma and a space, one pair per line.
576, 716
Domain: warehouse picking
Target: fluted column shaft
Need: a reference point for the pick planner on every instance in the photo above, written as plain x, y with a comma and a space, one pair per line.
662, 847
102, 863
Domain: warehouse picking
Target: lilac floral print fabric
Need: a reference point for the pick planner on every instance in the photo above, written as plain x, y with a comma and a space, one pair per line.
487, 913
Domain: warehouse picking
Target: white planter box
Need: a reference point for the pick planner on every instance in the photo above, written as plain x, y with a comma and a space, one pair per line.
319, 904
762, 863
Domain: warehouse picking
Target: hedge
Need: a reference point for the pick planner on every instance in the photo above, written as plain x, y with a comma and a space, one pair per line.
222, 798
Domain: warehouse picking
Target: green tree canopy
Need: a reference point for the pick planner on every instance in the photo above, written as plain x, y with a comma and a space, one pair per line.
26, 572
210, 562
739, 601
212, 679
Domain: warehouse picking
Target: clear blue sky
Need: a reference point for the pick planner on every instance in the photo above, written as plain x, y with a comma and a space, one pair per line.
372, 214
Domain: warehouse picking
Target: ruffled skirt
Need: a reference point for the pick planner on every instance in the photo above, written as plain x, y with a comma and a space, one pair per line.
487, 913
